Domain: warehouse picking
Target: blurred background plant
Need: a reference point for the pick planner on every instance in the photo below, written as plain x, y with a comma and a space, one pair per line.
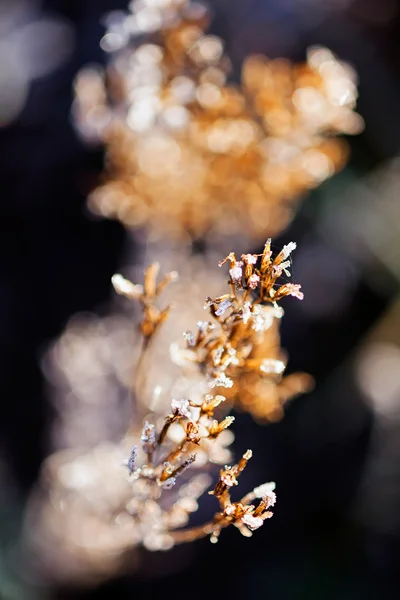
337, 442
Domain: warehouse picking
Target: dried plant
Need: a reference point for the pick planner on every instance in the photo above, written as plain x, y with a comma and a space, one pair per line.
239, 348
168, 470
190, 153
167, 456
221, 349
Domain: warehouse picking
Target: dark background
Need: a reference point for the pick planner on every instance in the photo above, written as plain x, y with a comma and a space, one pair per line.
56, 260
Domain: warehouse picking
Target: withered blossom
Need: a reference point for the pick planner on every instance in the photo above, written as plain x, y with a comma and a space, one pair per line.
151, 504
131, 463
167, 464
241, 353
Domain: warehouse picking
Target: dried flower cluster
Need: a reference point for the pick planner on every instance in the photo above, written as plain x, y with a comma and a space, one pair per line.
185, 438
168, 470
191, 154
239, 347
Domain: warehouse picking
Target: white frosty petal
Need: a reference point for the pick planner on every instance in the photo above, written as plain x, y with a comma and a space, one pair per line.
252, 522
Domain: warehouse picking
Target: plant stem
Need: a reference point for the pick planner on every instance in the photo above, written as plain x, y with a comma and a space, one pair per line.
196, 533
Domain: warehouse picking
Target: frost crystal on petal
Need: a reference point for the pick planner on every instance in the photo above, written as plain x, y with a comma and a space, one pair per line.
294, 290
189, 337
270, 497
223, 306
182, 407
252, 522
288, 249
253, 281
168, 483
217, 354
229, 479
236, 273
250, 259
132, 460
221, 381
263, 317
205, 326
284, 266
270, 365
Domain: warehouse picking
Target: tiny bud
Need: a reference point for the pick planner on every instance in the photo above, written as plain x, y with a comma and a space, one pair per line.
288, 249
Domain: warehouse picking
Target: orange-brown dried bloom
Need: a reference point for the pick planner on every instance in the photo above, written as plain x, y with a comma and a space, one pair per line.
239, 349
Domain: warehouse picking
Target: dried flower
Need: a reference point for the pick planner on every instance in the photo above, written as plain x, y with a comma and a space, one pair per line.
162, 473
237, 349
241, 352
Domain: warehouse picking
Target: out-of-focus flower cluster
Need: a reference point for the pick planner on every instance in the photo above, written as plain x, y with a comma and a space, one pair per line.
190, 153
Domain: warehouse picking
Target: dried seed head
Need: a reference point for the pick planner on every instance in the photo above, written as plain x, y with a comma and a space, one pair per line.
236, 273
181, 407
252, 522
250, 259
221, 380
253, 281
